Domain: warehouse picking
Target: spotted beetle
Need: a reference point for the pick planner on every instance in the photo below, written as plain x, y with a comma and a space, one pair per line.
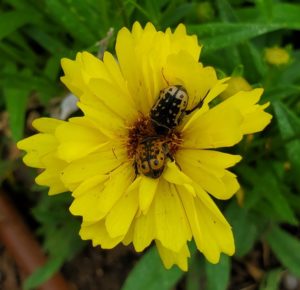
170, 108
151, 156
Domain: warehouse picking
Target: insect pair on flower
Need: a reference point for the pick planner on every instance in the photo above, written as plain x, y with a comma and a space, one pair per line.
165, 115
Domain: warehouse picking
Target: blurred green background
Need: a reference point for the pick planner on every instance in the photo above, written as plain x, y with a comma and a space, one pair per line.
237, 36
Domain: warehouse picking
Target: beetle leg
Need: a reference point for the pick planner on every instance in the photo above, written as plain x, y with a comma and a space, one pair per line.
135, 169
198, 106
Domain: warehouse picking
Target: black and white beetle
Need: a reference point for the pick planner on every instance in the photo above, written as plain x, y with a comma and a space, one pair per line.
170, 108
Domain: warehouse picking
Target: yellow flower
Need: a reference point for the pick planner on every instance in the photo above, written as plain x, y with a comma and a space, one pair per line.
235, 85
130, 183
277, 56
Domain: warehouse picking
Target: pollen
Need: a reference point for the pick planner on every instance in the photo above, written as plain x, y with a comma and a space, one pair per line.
143, 128
140, 129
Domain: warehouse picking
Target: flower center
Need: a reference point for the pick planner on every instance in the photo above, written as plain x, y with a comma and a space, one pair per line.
150, 150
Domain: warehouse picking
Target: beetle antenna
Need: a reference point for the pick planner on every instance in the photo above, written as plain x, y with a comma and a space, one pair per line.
163, 75
199, 105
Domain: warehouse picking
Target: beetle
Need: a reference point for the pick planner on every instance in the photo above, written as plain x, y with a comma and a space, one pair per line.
170, 108
151, 154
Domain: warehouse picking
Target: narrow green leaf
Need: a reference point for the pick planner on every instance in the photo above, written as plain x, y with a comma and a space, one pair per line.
195, 277
218, 275
12, 20
286, 248
271, 190
66, 17
287, 14
16, 102
272, 280
42, 274
226, 11
150, 274
289, 127
244, 229
176, 13
219, 35
61, 240
45, 40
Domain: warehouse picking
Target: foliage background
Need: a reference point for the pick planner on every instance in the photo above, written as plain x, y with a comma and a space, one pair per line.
35, 35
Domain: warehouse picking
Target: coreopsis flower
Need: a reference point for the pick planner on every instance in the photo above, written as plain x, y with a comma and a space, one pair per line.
235, 85
277, 56
134, 178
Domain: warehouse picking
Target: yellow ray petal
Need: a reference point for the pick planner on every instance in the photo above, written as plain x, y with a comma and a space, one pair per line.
215, 232
121, 215
89, 166
172, 228
116, 186
51, 175
170, 258
37, 146
147, 191
210, 158
87, 204
213, 129
47, 125
144, 230
254, 117
113, 98
89, 184
98, 234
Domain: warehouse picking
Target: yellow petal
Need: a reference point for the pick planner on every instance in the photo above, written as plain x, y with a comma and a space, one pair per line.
121, 215
210, 158
170, 258
194, 78
172, 228
98, 234
218, 235
51, 175
217, 127
93, 67
113, 98
144, 230
46, 125
89, 166
181, 41
174, 175
87, 205
107, 122
37, 146
254, 117
89, 184
208, 180
147, 191
98, 200
77, 141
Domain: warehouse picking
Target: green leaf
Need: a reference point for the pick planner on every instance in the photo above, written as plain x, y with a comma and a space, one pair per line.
287, 15
60, 232
176, 13
271, 189
244, 229
195, 277
289, 127
286, 248
226, 11
42, 274
150, 274
219, 35
16, 103
12, 20
218, 275
67, 17
272, 280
